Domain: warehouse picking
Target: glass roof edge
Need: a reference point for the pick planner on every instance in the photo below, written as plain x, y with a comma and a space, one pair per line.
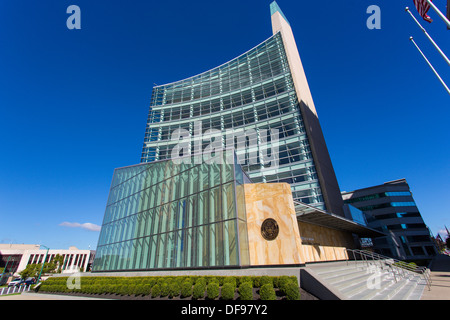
197, 75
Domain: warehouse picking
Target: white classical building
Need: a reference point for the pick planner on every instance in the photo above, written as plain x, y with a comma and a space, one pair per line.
15, 257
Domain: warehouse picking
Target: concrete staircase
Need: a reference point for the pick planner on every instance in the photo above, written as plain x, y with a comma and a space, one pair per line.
359, 280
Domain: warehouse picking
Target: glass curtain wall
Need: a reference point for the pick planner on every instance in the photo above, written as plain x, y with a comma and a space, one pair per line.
163, 215
250, 93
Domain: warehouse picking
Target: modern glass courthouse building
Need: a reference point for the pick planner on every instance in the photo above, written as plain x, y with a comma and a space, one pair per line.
273, 199
262, 94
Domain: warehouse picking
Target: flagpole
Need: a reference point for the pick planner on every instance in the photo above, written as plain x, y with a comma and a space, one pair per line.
431, 66
429, 37
440, 14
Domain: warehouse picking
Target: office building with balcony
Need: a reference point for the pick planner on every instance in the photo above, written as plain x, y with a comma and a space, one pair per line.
391, 209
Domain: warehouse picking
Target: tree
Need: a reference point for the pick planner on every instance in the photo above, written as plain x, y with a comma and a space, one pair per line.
58, 260
32, 270
447, 242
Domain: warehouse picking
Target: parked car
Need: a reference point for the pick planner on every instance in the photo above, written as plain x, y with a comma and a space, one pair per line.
15, 282
29, 281
18, 282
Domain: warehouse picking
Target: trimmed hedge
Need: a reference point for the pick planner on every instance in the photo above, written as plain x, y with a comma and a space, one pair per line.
199, 290
186, 289
212, 290
246, 291
228, 290
196, 287
292, 292
267, 292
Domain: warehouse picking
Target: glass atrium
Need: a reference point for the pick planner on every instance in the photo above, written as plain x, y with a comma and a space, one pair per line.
162, 215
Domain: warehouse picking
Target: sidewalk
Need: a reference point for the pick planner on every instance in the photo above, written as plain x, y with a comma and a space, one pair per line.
440, 277
42, 296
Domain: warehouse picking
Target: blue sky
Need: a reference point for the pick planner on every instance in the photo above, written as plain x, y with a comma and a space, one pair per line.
74, 103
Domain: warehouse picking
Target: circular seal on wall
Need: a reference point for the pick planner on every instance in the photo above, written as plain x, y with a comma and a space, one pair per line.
269, 229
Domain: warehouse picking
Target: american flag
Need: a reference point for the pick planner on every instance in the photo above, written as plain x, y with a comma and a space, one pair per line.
423, 7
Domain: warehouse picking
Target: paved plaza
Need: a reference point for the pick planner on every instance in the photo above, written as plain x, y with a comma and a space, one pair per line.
440, 277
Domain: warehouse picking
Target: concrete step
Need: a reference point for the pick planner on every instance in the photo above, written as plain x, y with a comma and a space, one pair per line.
325, 272
405, 292
369, 288
418, 291
389, 292
339, 276
346, 285
357, 281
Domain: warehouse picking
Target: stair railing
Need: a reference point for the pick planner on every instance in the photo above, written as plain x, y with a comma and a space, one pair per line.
397, 267
423, 271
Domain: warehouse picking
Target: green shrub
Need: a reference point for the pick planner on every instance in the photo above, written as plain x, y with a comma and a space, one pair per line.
231, 280
265, 280
412, 265
196, 286
228, 290
292, 292
47, 287
161, 280
118, 289
138, 290
194, 279
246, 291
95, 289
199, 290
244, 279
256, 281
212, 291
151, 281
179, 280
107, 288
201, 280
186, 289
221, 279
123, 290
156, 291
190, 280
174, 289
267, 292
283, 281
212, 279
164, 289
147, 289
276, 282
131, 289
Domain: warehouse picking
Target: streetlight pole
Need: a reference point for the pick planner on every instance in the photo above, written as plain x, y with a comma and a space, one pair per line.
6, 265
43, 262
3, 274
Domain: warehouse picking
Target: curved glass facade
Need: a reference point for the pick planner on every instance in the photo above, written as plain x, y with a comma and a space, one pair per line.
253, 92
163, 215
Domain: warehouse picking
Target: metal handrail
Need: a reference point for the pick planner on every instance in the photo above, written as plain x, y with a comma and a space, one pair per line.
364, 256
400, 263
394, 264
